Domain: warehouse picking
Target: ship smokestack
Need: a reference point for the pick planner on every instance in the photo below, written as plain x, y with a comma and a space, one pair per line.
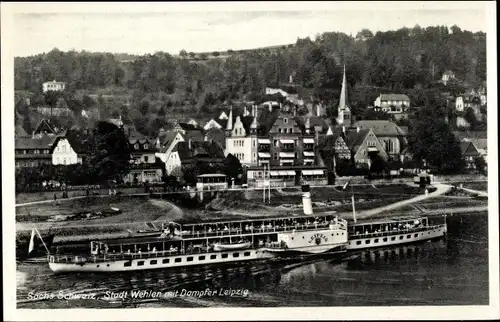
306, 200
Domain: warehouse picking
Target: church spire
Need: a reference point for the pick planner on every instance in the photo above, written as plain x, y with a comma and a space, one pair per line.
344, 112
343, 103
229, 126
253, 126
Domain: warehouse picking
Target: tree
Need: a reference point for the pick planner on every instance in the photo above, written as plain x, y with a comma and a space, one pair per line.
470, 117
215, 54
378, 165
144, 107
110, 154
232, 168
183, 54
430, 138
192, 55
480, 164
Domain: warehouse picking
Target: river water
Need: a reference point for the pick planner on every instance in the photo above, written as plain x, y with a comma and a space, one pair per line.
451, 271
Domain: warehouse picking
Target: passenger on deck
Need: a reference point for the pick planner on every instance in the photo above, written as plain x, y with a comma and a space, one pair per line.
246, 227
154, 249
270, 226
225, 228
262, 227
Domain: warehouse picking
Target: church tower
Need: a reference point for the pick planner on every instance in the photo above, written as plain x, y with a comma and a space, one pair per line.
344, 111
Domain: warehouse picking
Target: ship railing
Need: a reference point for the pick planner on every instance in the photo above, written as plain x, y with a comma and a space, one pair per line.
262, 230
110, 257
393, 232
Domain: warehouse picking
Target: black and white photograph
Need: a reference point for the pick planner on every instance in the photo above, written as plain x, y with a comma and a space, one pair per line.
249, 160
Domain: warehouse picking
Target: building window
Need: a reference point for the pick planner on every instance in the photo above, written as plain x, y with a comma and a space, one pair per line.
190, 259
140, 263
153, 262
275, 156
213, 256
279, 130
296, 155
276, 143
224, 255
246, 254
285, 120
254, 156
145, 146
165, 261
146, 158
136, 146
178, 260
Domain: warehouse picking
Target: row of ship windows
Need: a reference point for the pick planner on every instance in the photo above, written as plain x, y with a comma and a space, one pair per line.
189, 259
376, 240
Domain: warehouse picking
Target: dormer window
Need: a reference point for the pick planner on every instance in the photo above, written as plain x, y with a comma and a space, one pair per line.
136, 146
285, 120
145, 146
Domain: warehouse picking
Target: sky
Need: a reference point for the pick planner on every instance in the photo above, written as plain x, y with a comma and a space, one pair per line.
198, 27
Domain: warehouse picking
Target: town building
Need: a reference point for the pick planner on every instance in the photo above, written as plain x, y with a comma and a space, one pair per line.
66, 150
204, 154
33, 151
212, 124
241, 137
392, 103
364, 145
447, 77
469, 154
53, 86
392, 137
144, 166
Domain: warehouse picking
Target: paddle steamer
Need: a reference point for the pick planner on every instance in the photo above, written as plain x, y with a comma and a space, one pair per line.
183, 245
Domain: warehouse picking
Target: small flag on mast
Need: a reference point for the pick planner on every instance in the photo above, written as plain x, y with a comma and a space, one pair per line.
32, 241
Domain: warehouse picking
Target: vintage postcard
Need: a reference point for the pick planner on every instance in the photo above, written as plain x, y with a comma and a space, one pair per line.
249, 160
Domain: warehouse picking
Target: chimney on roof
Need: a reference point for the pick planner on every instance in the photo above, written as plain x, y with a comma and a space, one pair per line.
329, 132
189, 144
343, 129
318, 110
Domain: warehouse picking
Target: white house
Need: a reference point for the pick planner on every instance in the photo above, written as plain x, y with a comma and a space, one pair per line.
63, 153
212, 124
223, 116
173, 162
272, 91
392, 103
53, 86
459, 104
241, 140
447, 76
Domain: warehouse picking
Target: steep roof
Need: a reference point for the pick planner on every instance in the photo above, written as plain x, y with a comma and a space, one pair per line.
29, 143
267, 120
78, 143
381, 127
187, 126
45, 126
166, 138
217, 135
203, 149
354, 139
468, 149
394, 97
